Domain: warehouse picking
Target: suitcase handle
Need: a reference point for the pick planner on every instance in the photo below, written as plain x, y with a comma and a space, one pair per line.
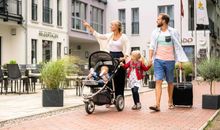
181, 74
181, 87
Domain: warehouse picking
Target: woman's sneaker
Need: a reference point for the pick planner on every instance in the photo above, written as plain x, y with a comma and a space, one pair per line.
155, 108
134, 107
138, 106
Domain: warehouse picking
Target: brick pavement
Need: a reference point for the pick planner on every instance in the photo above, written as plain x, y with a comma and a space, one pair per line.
144, 119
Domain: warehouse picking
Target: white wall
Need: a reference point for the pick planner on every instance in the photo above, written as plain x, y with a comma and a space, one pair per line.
12, 45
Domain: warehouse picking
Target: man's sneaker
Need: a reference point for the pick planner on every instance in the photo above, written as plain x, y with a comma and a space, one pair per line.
138, 106
134, 107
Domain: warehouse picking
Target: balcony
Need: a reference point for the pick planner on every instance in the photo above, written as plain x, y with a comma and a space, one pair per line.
34, 12
59, 18
11, 10
47, 15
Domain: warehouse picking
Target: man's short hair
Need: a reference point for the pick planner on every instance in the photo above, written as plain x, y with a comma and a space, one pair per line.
165, 17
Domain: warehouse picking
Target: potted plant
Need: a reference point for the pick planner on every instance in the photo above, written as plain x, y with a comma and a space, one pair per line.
188, 69
52, 74
151, 82
209, 69
12, 62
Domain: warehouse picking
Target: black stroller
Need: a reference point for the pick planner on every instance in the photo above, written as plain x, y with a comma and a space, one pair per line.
102, 94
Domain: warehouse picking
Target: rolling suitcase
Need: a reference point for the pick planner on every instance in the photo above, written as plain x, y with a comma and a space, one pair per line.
183, 91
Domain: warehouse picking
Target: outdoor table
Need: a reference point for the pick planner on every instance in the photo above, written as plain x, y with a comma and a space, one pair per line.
78, 80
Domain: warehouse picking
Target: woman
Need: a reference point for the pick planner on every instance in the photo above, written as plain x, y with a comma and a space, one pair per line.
117, 44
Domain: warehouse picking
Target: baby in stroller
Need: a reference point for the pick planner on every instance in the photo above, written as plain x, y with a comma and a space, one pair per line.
98, 88
102, 77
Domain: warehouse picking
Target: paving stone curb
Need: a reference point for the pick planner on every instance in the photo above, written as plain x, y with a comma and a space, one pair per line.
210, 119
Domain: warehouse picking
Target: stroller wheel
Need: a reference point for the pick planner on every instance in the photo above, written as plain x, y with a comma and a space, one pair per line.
119, 103
89, 107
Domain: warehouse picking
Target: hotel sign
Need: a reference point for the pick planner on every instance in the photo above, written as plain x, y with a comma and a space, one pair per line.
187, 40
48, 34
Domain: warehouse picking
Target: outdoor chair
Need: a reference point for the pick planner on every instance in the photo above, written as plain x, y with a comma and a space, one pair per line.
24, 77
34, 75
14, 75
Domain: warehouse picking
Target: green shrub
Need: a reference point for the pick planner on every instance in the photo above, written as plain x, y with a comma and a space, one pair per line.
151, 72
53, 73
72, 65
12, 62
188, 68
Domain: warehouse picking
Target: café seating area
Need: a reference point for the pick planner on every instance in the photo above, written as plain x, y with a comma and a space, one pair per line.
23, 79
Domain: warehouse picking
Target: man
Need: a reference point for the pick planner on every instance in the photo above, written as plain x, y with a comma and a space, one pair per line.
165, 50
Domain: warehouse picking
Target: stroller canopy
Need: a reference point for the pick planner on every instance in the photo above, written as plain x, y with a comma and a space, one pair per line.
101, 58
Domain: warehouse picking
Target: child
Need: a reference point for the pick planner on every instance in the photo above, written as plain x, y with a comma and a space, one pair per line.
104, 76
135, 69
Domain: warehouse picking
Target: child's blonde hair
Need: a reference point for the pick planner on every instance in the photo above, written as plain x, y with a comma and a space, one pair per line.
135, 55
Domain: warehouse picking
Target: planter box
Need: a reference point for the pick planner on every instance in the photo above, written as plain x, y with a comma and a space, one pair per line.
52, 98
152, 84
211, 101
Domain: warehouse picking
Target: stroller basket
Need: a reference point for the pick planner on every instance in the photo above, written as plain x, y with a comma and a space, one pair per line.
90, 82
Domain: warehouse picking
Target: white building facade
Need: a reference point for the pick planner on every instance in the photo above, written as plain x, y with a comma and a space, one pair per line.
32, 31
139, 20
40, 35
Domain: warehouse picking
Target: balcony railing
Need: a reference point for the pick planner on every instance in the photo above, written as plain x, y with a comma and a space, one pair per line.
11, 10
34, 12
59, 18
47, 15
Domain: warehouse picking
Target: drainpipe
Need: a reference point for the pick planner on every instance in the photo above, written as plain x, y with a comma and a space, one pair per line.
24, 26
26, 32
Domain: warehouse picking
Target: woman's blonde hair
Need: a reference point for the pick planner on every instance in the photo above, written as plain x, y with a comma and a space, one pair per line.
119, 25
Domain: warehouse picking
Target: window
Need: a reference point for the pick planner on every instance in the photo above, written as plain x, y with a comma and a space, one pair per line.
59, 50
47, 12
135, 48
59, 13
78, 14
135, 20
97, 19
169, 9
47, 50
34, 10
33, 51
122, 18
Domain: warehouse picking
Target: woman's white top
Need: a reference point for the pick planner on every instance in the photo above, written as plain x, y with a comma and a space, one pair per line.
107, 43
116, 46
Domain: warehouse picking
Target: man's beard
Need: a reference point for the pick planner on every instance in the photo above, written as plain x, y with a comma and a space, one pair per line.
159, 25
